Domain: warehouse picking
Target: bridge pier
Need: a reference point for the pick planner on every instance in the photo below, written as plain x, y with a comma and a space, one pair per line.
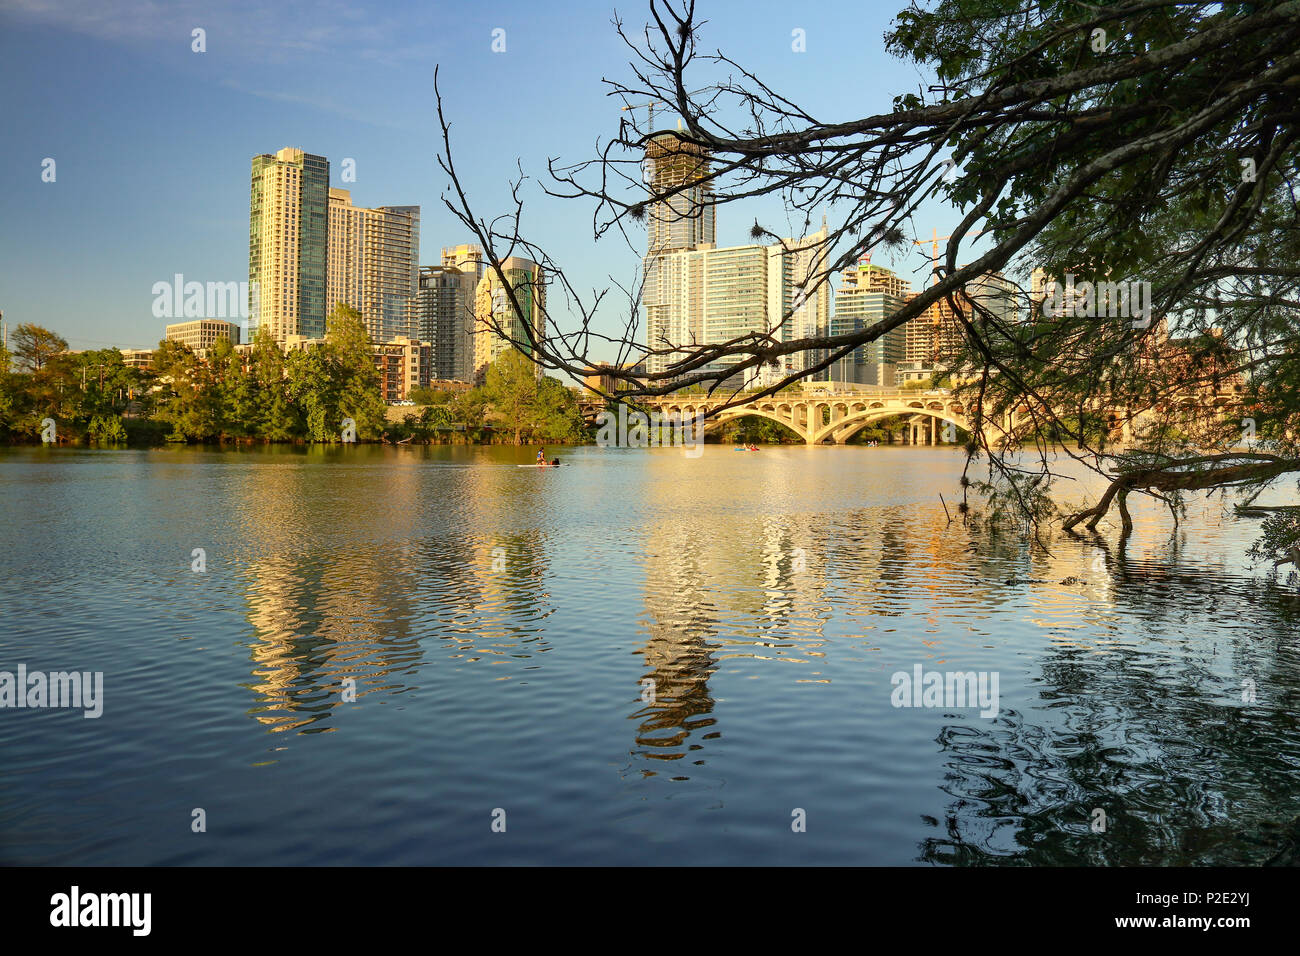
921, 430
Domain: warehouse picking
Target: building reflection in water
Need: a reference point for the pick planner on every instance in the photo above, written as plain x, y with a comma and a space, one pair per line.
714, 591
338, 590
682, 626
330, 591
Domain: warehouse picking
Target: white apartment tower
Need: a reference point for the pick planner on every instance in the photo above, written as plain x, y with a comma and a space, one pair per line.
707, 295
373, 259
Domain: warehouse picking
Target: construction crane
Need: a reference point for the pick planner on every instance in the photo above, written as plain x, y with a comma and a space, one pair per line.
650, 118
934, 255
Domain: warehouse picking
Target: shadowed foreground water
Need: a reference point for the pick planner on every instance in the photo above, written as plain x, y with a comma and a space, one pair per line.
502, 626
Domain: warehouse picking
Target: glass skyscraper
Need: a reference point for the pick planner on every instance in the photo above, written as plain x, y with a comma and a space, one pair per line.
493, 311
287, 244
446, 304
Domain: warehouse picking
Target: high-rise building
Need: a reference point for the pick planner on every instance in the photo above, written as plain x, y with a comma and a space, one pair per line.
392, 271
493, 311
706, 295
869, 294
935, 338
374, 257
467, 258
202, 334
684, 219
287, 244
347, 251
447, 310
1002, 297
446, 317
798, 284
403, 364
933, 333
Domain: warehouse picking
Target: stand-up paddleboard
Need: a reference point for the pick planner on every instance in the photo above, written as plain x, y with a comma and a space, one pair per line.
538, 466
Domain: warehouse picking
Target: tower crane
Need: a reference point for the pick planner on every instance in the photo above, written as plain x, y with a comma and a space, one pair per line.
650, 117
934, 255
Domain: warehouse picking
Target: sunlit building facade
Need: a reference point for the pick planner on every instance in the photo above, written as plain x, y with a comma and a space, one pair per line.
935, 339
445, 310
202, 334
287, 244
498, 322
374, 257
683, 221
403, 364
707, 295
869, 294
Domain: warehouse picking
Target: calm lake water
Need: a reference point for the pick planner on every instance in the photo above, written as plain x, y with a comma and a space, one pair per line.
502, 626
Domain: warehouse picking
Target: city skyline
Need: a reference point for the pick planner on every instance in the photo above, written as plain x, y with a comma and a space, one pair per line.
187, 215
311, 249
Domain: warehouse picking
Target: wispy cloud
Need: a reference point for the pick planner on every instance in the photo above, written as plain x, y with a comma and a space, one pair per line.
324, 104
244, 29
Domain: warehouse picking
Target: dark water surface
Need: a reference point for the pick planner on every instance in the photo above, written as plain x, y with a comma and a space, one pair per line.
769, 597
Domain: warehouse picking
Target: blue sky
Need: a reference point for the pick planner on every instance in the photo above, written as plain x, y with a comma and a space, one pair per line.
152, 141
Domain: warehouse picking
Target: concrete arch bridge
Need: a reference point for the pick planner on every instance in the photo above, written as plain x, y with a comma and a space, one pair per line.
833, 417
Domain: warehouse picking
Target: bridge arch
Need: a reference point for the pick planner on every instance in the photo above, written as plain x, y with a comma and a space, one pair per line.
860, 420
743, 411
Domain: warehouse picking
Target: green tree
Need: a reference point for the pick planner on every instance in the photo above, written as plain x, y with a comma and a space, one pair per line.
277, 417
35, 345
243, 400
352, 368
189, 399
556, 414
107, 429
311, 387
511, 391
